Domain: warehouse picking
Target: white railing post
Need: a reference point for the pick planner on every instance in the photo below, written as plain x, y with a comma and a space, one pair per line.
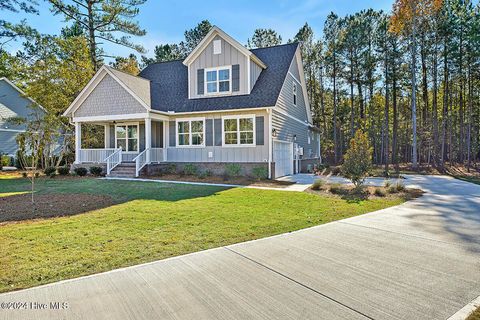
113, 160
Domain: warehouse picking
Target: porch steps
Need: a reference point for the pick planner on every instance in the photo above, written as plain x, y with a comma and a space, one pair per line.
123, 170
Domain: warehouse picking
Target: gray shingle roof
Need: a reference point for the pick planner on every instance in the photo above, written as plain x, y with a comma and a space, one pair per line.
169, 84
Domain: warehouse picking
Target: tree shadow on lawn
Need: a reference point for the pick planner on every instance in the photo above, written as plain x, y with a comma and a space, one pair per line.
72, 196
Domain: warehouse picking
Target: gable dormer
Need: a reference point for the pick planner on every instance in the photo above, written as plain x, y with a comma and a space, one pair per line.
220, 66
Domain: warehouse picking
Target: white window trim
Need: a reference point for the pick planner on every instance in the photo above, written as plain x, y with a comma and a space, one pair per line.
294, 93
189, 120
218, 93
131, 124
246, 116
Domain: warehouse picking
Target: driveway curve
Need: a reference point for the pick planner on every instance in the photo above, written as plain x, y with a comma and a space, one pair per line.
419, 260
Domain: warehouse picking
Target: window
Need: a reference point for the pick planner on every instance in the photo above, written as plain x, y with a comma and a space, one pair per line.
309, 138
190, 132
217, 80
126, 137
294, 94
239, 130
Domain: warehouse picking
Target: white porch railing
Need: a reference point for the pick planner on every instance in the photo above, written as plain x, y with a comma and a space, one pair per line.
140, 161
113, 160
95, 155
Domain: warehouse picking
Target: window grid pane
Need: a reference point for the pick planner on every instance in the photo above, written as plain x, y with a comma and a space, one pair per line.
183, 127
132, 131
183, 139
231, 138
224, 86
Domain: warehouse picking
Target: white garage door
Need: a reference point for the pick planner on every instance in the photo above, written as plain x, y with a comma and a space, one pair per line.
283, 158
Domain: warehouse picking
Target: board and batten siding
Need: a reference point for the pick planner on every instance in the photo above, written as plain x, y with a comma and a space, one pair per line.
255, 71
257, 153
109, 98
285, 126
228, 57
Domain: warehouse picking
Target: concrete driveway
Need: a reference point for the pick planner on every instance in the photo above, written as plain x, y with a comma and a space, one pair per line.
420, 260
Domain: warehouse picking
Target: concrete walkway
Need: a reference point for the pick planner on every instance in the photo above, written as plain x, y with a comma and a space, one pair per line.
420, 260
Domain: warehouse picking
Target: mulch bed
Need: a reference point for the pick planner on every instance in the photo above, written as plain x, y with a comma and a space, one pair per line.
367, 192
217, 179
19, 207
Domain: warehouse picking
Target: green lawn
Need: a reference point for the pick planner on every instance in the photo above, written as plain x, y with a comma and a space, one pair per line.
151, 221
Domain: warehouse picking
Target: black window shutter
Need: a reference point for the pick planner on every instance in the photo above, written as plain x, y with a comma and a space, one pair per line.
259, 130
236, 77
209, 132
217, 124
172, 133
200, 81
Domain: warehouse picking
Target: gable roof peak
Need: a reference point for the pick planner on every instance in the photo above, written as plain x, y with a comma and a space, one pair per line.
209, 37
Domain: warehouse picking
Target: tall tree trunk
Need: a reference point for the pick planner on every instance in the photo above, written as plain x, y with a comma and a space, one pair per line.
91, 35
435, 102
335, 129
445, 102
386, 146
395, 118
414, 88
352, 105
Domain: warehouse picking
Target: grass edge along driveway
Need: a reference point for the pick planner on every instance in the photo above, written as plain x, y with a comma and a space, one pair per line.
152, 221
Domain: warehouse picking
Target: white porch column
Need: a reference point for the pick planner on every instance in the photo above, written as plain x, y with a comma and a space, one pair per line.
148, 137
78, 141
166, 139
107, 135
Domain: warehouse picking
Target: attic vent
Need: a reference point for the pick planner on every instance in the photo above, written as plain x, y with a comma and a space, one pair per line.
217, 46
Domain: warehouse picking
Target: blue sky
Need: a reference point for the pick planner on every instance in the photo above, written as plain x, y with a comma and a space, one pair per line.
165, 21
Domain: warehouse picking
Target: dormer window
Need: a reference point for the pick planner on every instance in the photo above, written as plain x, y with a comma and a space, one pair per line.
217, 80
294, 94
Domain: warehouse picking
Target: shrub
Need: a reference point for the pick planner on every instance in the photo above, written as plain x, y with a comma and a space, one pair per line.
260, 173
63, 171
318, 184
172, 168
50, 171
80, 171
387, 184
190, 169
336, 188
400, 187
202, 175
96, 171
336, 171
232, 169
392, 189
37, 174
5, 161
24, 174
379, 192
358, 159
208, 173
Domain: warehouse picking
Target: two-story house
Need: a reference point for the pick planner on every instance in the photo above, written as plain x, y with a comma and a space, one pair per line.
222, 104
14, 104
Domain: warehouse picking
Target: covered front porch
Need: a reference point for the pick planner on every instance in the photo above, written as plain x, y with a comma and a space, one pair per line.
139, 141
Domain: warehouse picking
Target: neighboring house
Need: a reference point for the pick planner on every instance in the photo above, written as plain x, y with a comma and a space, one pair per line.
13, 104
222, 104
